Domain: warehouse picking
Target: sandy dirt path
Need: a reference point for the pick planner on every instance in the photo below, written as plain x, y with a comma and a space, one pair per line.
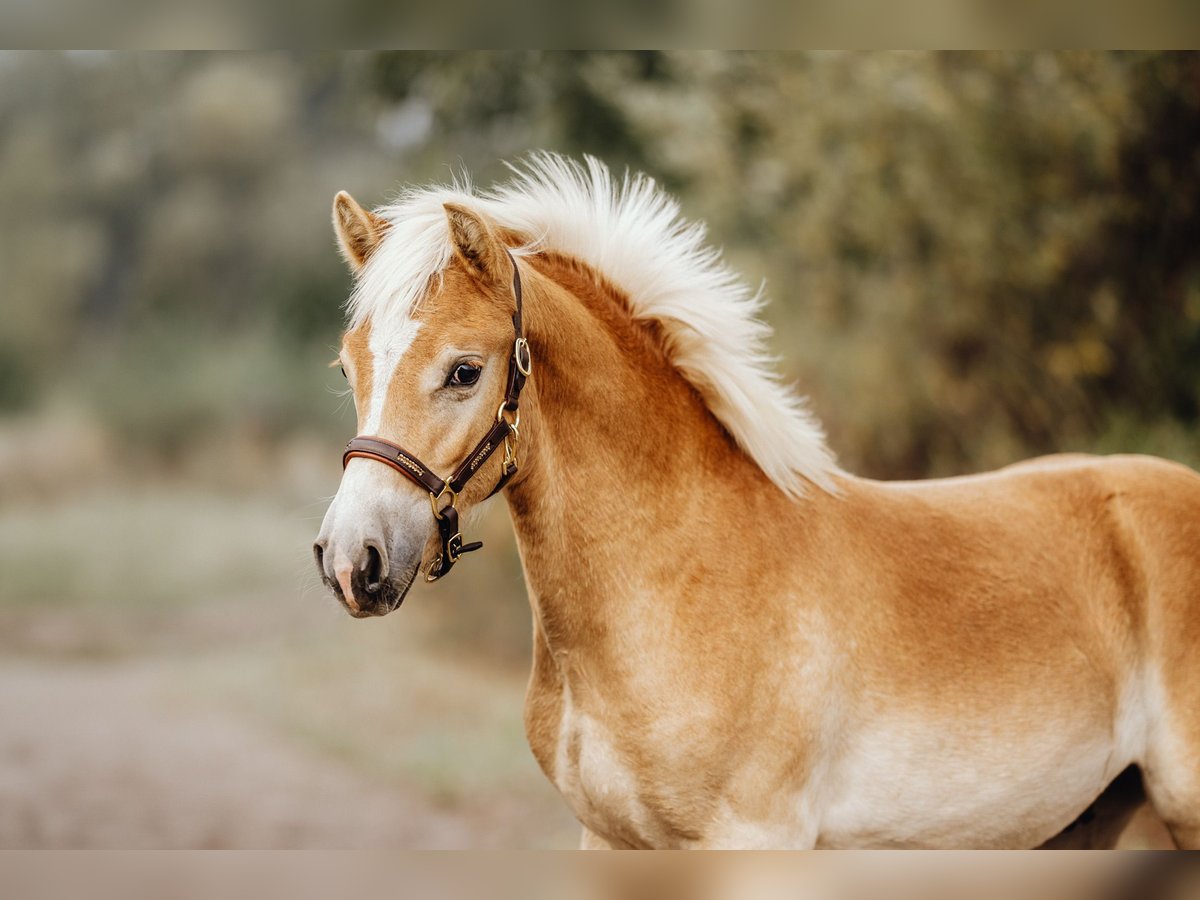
97, 756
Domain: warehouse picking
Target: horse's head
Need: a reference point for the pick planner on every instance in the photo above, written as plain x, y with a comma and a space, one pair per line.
428, 377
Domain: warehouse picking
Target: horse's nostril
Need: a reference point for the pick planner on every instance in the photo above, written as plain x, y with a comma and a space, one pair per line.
319, 554
374, 569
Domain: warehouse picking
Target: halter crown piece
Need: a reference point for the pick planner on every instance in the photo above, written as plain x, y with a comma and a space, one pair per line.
502, 434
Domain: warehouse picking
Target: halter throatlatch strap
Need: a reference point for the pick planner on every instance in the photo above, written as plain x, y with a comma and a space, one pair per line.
504, 433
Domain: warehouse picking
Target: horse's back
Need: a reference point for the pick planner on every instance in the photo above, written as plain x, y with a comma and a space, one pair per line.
1126, 471
1153, 505
1118, 534
1090, 565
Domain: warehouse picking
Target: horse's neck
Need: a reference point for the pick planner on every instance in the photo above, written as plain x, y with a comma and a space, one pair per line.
626, 476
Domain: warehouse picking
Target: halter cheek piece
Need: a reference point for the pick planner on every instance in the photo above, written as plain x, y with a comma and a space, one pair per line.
503, 434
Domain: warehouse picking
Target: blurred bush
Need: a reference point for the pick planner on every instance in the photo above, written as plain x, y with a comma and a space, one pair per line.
167, 259
972, 258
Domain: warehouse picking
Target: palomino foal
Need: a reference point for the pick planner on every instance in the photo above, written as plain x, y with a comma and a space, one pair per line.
736, 644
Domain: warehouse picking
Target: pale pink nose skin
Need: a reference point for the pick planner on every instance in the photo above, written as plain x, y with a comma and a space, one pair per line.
373, 539
343, 578
359, 578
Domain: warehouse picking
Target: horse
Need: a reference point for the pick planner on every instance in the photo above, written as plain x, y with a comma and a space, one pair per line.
736, 643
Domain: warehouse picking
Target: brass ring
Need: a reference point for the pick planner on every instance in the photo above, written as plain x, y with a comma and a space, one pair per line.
516, 422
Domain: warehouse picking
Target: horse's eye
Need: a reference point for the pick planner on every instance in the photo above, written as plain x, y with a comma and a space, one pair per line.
464, 375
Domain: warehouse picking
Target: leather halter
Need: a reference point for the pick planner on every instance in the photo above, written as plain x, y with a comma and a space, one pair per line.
503, 434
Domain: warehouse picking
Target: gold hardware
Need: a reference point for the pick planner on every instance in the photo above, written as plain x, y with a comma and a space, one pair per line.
431, 573
524, 365
434, 498
510, 453
515, 423
510, 439
433, 567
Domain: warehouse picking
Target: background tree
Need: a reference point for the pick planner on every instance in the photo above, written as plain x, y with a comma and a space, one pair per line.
971, 258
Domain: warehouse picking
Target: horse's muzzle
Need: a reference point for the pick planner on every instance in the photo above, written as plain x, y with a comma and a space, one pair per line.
364, 582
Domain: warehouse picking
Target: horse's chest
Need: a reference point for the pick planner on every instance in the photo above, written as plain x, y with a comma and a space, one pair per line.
600, 783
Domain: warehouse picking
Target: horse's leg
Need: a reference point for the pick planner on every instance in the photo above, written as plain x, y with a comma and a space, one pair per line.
1101, 824
592, 841
1171, 769
1162, 514
1172, 773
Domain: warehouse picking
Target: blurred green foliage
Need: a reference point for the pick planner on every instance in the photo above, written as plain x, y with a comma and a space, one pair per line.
972, 258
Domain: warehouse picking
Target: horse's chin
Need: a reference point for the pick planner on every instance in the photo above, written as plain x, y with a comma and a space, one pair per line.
387, 599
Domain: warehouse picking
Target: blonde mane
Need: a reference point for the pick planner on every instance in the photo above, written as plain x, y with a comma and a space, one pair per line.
632, 233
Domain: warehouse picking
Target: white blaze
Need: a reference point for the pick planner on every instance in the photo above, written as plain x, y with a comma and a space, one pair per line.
367, 503
387, 349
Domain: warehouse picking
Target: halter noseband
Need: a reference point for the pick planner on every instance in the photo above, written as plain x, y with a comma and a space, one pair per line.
503, 433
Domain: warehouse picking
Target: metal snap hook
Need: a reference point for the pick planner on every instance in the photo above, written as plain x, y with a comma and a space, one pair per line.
434, 498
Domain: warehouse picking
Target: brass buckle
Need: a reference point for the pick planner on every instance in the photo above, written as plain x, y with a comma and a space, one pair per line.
524, 361
434, 498
453, 552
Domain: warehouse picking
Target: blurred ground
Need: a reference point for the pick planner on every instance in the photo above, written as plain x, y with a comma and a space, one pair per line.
95, 756
172, 676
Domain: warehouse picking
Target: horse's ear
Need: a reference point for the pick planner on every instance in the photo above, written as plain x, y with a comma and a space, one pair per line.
358, 230
476, 243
